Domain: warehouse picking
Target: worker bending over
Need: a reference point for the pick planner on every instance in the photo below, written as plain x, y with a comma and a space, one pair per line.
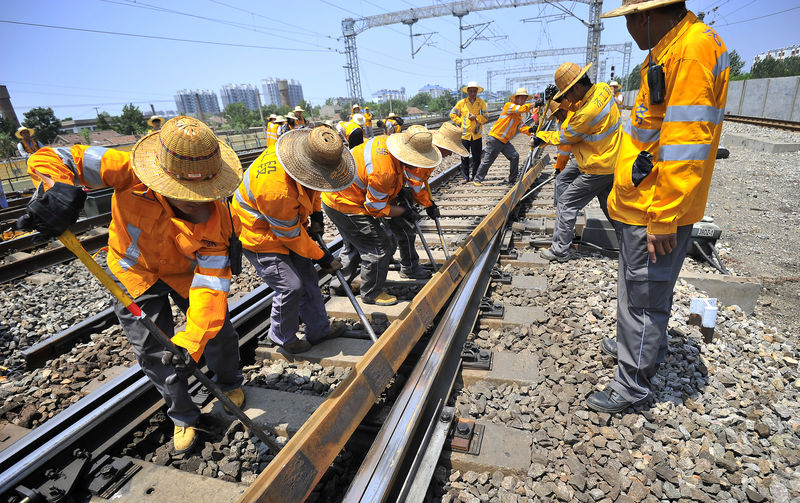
357, 211
351, 131
393, 124
593, 131
168, 238
470, 114
506, 127
663, 172
272, 209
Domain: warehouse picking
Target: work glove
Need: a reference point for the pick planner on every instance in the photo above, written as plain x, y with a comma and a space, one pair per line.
334, 266
433, 211
51, 212
317, 226
411, 214
536, 141
326, 260
550, 91
181, 361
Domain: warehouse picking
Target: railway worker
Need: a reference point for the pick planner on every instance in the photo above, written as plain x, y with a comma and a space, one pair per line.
299, 120
356, 109
272, 131
155, 122
358, 210
280, 122
506, 127
618, 96
27, 144
655, 200
470, 114
593, 130
367, 123
272, 209
393, 124
290, 124
351, 131
168, 238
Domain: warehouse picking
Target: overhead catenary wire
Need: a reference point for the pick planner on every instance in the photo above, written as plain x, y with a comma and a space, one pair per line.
760, 17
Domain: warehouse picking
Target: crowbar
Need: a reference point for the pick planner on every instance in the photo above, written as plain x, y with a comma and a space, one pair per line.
438, 225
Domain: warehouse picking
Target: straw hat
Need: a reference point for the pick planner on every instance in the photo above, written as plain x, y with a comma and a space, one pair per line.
273, 116
414, 147
567, 75
292, 116
21, 129
317, 159
391, 115
359, 119
355, 106
298, 109
631, 6
613, 83
471, 83
448, 137
154, 118
521, 92
280, 118
185, 161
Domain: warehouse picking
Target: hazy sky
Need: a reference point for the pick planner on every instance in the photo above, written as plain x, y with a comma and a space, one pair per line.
76, 71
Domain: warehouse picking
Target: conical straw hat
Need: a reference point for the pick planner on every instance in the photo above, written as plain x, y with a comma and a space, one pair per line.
20, 129
316, 158
359, 119
414, 147
154, 118
448, 137
521, 92
631, 6
186, 161
471, 83
567, 75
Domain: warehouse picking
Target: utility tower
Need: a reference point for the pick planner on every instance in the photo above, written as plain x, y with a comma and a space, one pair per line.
352, 27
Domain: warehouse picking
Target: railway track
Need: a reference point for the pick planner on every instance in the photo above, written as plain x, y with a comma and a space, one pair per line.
761, 121
478, 245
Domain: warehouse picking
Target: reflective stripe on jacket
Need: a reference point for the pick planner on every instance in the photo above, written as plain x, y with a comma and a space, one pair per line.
682, 133
593, 130
272, 134
459, 114
414, 179
392, 126
147, 242
347, 127
271, 210
509, 122
379, 180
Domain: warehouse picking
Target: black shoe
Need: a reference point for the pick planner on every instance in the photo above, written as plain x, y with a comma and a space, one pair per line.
609, 346
298, 346
607, 400
415, 273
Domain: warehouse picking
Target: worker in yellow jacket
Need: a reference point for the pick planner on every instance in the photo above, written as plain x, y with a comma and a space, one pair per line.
393, 124
272, 209
299, 120
593, 131
367, 123
168, 238
507, 126
663, 172
155, 122
470, 114
351, 131
383, 164
272, 131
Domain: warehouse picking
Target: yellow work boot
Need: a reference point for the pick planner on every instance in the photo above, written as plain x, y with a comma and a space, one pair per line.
476, 183
236, 396
184, 439
383, 299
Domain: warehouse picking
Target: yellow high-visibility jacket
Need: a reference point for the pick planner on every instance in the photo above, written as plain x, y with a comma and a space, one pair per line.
347, 127
271, 210
392, 126
459, 114
147, 242
367, 119
509, 122
682, 133
272, 134
593, 130
564, 151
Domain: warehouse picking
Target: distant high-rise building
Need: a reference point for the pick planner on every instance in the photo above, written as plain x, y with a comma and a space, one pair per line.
434, 90
784, 52
187, 100
246, 94
282, 92
383, 95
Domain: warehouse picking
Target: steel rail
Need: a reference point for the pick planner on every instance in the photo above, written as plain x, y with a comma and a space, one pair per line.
764, 121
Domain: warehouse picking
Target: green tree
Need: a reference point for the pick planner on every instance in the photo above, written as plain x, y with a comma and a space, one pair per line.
7, 126
44, 123
103, 119
442, 104
633, 80
420, 100
239, 117
8, 145
131, 121
791, 66
86, 135
737, 63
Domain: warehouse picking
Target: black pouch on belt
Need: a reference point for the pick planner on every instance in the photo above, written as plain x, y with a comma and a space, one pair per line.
234, 248
642, 166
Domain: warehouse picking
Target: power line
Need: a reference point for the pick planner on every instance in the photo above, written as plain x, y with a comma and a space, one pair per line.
157, 37
98, 104
760, 17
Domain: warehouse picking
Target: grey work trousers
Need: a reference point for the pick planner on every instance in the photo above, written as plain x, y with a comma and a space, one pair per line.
221, 352
368, 131
574, 198
368, 243
493, 148
405, 234
644, 303
297, 296
563, 179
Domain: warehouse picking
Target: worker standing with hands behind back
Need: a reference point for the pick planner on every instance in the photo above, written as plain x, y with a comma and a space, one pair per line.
663, 172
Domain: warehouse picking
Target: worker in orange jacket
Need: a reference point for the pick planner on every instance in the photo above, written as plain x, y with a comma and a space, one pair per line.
272, 209
168, 238
663, 172
506, 127
27, 145
383, 165
299, 120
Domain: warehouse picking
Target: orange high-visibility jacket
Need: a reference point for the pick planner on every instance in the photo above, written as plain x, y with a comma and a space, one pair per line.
392, 126
272, 134
271, 210
509, 122
682, 133
147, 242
31, 147
367, 119
415, 179
300, 121
379, 180
593, 130
459, 114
